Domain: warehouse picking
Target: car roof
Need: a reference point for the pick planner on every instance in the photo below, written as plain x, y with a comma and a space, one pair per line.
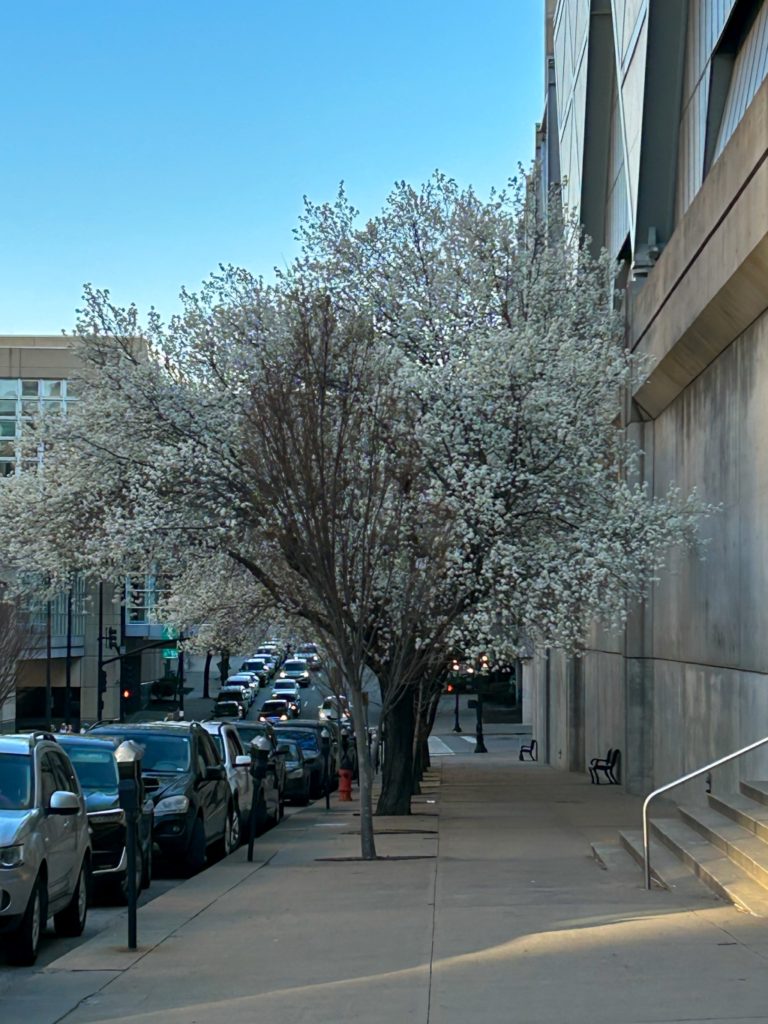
169, 727
79, 739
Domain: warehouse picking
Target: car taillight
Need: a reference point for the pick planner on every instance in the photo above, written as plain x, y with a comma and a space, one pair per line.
283, 718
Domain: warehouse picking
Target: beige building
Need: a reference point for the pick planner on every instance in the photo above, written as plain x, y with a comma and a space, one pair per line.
656, 129
60, 674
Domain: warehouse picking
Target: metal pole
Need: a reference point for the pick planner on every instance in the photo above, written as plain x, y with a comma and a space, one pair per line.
480, 747
456, 723
130, 849
181, 680
68, 671
48, 691
100, 658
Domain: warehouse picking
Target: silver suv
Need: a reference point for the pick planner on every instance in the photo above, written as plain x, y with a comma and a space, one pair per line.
45, 849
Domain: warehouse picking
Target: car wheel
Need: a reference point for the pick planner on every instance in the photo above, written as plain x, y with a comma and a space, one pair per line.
232, 831
71, 920
195, 859
25, 941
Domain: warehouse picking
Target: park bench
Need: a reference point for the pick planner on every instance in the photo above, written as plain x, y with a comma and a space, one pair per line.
531, 749
608, 766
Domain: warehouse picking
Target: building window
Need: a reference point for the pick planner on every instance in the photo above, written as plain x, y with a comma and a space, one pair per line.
142, 596
21, 403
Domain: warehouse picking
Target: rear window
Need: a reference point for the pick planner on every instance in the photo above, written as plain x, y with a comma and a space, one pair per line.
15, 782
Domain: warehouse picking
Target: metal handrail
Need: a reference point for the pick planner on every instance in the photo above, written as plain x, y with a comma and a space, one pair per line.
679, 782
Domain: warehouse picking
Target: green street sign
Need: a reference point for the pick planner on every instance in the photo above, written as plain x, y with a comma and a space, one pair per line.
170, 652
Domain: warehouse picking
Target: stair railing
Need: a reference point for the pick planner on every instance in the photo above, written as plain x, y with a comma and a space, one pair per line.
679, 782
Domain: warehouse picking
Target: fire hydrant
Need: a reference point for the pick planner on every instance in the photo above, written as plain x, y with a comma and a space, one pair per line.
345, 784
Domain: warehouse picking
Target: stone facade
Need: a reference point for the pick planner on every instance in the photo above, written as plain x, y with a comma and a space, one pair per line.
674, 182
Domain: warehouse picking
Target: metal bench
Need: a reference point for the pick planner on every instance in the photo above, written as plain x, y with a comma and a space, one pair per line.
608, 766
531, 749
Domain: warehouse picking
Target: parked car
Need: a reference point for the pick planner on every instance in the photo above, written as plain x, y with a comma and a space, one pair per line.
96, 767
248, 732
296, 671
309, 737
261, 667
249, 681
187, 781
298, 774
286, 689
276, 711
45, 845
227, 708
238, 765
236, 692
335, 709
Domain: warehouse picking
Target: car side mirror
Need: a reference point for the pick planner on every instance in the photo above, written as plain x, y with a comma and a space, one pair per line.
215, 773
63, 803
242, 761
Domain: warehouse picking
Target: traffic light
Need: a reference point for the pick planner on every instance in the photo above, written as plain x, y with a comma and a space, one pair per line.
449, 688
129, 700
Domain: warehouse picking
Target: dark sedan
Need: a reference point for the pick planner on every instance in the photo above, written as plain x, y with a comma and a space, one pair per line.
309, 736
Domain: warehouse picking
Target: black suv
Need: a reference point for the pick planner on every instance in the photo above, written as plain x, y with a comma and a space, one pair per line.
186, 779
96, 768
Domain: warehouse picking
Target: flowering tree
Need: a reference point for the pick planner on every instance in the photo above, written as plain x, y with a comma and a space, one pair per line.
406, 441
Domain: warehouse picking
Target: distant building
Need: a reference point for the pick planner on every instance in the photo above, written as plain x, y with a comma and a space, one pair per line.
35, 376
655, 131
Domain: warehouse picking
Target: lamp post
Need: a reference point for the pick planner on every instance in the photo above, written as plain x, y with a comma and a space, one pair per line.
480, 747
456, 723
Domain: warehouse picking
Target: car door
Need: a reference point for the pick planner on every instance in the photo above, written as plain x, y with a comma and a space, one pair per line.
60, 829
243, 780
213, 791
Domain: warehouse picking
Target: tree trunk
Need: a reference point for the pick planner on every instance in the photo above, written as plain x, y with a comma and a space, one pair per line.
397, 769
365, 781
207, 674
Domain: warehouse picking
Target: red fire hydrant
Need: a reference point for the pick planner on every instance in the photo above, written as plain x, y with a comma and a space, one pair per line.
345, 783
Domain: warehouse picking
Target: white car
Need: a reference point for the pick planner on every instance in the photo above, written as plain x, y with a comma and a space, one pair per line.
238, 766
286, 689
248, 680
45, 845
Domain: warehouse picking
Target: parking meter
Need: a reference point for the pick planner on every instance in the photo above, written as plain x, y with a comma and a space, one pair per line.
260, 749
130, 789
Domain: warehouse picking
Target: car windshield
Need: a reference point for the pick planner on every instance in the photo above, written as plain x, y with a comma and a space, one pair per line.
161, 752
15, 782
96, 769
306, 740
295, 666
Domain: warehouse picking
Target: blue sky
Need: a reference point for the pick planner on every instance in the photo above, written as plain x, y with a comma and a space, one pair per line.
147, 141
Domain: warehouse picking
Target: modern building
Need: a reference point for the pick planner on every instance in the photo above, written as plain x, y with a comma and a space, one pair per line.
655, 131
63, 649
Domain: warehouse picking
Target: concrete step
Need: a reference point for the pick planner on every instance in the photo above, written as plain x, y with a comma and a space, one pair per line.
744, 811
757, 791
712, 866
740, 844
667, 870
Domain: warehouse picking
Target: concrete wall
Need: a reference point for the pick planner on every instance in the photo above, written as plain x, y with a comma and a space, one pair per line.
687, 680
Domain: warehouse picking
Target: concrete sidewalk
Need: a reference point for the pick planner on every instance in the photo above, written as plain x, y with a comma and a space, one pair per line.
490, 908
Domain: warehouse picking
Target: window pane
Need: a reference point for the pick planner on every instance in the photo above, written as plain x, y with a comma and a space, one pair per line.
72, 388
7, 450
29, 406
29, 387
7, 468
51, 388
7, 406
52, 406
8, 388
7, 428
